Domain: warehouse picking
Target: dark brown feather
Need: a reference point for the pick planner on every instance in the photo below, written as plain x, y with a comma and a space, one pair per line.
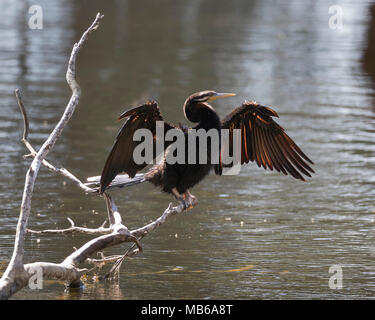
265, 142
120, 159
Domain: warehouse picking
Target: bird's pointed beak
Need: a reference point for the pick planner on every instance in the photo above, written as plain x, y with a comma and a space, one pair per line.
220, 96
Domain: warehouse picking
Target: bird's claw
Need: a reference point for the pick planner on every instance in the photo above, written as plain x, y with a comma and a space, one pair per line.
189, 201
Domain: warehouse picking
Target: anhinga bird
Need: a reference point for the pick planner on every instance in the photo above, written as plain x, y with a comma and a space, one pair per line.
262, 141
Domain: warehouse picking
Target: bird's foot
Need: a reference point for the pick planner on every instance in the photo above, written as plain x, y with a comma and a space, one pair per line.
187, 199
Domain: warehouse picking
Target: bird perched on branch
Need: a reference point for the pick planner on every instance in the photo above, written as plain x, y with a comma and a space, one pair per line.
262, 141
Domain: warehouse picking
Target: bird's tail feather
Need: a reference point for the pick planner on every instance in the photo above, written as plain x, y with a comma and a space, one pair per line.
120, 181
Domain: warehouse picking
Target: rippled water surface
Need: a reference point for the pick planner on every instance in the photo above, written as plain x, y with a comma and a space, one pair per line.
258, 235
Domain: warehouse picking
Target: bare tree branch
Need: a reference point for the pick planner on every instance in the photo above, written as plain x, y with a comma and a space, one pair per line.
33, 153
73, 229
170, 211
8, 282
17, 275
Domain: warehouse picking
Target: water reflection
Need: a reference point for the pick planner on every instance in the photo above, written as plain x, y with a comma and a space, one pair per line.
279, 53
369, 53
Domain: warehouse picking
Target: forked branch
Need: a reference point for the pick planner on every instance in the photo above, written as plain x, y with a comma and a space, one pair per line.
17, 275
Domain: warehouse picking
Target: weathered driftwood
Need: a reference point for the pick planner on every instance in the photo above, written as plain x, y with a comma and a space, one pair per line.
17, 275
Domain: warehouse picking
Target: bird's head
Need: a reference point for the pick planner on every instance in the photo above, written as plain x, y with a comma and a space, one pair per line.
198, 102
208, 96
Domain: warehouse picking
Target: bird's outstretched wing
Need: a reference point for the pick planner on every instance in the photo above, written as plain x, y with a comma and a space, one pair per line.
264, 141
120, 159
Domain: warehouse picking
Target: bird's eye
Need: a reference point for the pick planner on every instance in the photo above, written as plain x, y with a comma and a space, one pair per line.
202, 98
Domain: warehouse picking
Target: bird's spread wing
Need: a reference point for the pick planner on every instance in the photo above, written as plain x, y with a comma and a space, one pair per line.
264, 141
120, 159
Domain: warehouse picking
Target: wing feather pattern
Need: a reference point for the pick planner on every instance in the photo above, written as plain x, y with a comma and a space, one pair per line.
120, 159
264, 142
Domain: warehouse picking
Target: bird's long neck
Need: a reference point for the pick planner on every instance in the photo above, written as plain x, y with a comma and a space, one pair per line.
203, 114
210, 121
207, 119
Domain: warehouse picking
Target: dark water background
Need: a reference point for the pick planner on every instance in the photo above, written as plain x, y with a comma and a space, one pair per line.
258, 235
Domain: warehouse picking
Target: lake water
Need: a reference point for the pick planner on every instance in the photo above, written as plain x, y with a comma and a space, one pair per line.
257, 235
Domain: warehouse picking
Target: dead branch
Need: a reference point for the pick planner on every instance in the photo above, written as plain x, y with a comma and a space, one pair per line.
74, 229
18, 275
170, 211
33, 153
15, 275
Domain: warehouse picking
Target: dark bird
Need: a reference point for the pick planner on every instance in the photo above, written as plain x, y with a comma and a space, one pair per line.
262, 140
